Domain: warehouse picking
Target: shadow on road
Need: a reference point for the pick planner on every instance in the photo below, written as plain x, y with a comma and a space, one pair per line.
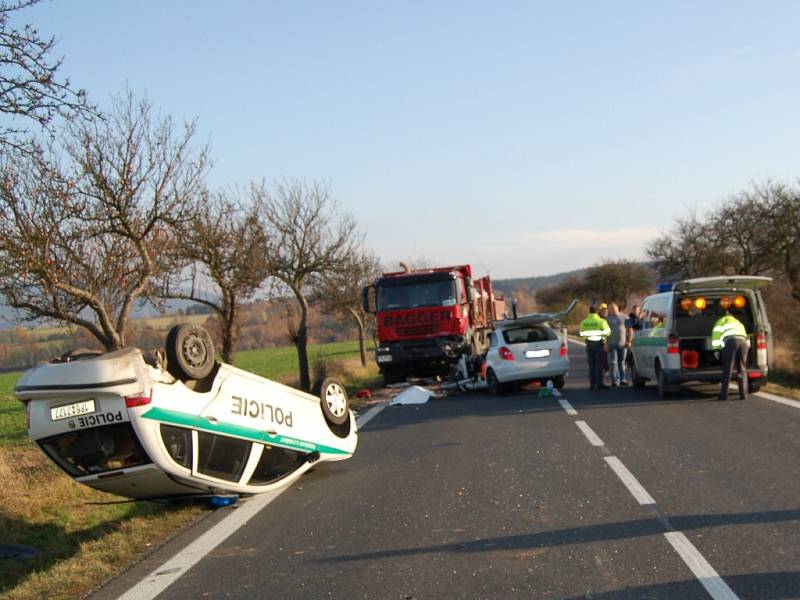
581, 535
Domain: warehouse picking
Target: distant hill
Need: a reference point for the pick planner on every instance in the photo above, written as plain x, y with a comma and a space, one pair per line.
530, 284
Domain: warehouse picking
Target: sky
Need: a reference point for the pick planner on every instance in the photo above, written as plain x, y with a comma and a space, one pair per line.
525, 138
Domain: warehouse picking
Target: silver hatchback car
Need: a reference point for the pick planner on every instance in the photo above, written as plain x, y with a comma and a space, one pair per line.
528, 349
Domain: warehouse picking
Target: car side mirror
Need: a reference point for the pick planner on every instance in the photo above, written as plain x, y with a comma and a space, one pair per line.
369, 299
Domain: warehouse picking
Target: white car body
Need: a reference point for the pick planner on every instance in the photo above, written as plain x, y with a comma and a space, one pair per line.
121, 425
528, 348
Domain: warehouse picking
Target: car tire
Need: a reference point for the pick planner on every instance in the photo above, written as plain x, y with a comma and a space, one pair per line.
661, 383
190, 352
495, 387
333, 401
559, 381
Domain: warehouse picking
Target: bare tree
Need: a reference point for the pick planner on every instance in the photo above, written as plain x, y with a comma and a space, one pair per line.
87, 226
224, 243
782, 205
691, 249
340, 292
30, 89
308, 237
617, 281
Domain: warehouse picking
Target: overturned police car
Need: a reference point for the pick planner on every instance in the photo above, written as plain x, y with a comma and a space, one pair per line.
182, 424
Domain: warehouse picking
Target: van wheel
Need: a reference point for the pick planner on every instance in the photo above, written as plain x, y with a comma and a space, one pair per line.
333, 401
495, 387
190, 352
558, 382
663, 389
638, 382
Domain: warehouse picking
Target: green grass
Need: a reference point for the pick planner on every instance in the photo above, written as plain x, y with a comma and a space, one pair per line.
277, 363
12, 413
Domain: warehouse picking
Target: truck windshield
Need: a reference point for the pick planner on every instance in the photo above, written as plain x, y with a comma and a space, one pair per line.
415, 295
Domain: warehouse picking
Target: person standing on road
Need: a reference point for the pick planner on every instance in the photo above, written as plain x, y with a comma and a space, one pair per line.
632, 323
594, 330
730, 336
617, 347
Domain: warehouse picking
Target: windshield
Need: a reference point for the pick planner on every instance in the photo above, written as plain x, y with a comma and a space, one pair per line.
417, 294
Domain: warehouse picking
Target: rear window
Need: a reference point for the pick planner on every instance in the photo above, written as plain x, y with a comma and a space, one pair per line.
526, 335
696, 319
96, 450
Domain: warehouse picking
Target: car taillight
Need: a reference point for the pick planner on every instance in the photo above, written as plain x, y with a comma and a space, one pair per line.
564, 351
673, 344
505, 353
134, 401
761, 341
754, 374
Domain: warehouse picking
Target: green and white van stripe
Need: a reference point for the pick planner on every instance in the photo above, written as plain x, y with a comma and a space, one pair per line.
174, 417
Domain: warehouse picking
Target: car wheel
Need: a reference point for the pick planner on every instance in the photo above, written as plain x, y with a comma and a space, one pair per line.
495, 387
190, 352
661, 383
333, 401
558, 382
638, 382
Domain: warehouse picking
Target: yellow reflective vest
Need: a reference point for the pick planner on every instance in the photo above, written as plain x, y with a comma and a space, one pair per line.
725, 327
594, 328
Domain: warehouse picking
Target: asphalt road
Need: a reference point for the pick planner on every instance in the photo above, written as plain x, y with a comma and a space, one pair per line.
597, 494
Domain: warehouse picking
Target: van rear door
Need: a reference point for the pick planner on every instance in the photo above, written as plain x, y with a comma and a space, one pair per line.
731, 283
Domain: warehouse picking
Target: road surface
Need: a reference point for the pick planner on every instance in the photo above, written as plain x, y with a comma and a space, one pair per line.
596, 494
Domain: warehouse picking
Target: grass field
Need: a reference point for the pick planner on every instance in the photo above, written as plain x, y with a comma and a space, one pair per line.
82, 539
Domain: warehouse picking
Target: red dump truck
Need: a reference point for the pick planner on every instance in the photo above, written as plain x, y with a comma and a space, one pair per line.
429, 318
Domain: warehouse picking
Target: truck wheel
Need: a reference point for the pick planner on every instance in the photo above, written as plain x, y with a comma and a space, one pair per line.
391, 376
495, 387
333, 401
190, 352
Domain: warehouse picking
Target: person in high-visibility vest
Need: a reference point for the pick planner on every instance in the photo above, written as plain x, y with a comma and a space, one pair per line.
730, 337
594, 330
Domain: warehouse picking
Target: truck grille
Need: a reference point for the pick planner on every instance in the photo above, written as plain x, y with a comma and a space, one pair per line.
423, 329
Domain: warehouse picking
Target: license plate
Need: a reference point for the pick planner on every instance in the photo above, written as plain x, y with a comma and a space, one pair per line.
65, 411
385, 358
536, 353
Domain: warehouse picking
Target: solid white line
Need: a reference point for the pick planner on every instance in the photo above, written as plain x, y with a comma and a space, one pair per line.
593, 438
778, 399
630, 482
705, 573
568, 407
165, 575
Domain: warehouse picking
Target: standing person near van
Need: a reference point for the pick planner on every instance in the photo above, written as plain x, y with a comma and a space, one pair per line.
730, 336
594, 330
617, 345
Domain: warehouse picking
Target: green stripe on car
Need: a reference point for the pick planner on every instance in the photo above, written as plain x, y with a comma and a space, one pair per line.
174, 417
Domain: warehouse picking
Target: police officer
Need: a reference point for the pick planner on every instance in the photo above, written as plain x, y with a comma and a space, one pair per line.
730, 336
594, 330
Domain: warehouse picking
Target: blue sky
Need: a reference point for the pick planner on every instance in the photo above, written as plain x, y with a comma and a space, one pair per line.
527, 138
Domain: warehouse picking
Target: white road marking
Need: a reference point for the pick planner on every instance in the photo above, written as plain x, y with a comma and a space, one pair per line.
568, 407
630, 482
778, 399
705, 573
165, 575
593, 438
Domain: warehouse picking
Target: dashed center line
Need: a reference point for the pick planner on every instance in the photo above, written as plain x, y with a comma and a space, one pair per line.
629, 481
593, 438
705, 573
568, 407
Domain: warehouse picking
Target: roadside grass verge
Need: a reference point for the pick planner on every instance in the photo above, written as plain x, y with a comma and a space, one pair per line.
85, 537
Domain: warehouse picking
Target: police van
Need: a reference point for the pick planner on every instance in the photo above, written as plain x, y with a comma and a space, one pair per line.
672, 339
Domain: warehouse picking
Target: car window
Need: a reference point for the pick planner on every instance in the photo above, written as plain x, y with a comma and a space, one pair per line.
493, 340
525, 335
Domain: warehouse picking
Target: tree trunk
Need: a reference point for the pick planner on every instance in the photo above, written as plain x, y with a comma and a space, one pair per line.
228, 317
301, 344
362, 336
